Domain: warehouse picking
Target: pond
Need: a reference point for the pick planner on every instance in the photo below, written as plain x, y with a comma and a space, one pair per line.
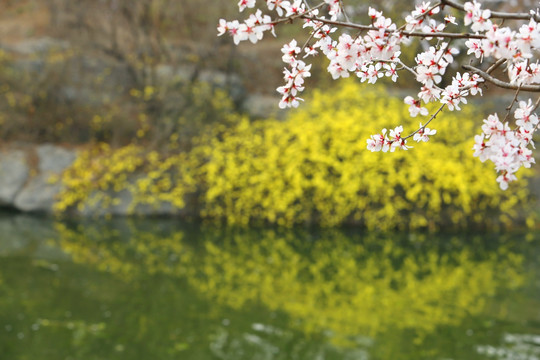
159, 289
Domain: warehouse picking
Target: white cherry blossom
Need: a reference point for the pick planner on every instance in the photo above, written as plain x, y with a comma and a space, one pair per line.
372, 50
243, 4
415, 107
424, 133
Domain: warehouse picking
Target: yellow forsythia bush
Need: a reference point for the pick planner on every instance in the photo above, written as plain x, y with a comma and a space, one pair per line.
100, 173
315, 168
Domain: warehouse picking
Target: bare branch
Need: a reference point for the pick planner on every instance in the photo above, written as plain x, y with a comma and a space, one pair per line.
493, 67
343, 11
496, 14
405, 33
536, 105
500, 83
427, 123
509, 107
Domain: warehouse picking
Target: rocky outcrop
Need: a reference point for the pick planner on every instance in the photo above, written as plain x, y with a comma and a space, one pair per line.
30, 182
27, 176
39, 193
34, 46
14, 172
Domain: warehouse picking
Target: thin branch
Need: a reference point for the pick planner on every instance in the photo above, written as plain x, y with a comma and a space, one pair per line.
306, 43
509, 107
406, 67
443, 51
307, 5
500, 83
496, 14
405, 33
495, 66
536, 105
427, 123
343, 11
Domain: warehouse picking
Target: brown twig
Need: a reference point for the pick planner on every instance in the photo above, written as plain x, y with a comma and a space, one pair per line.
495, 66
536, 104
427, 123
405, 33
500, 83
496, 14
509, 107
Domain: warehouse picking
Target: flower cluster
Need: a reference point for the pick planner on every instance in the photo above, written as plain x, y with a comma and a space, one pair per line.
373, 51
294, 77
416, 18
516, 47
460, 88
477, 18
371, 56
508, 148
381, 142
252, 29
423, 134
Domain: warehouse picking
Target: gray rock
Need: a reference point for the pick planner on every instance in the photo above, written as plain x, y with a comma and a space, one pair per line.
39, 192
38, 46
263, 106
38, 195
54, 159
231, 82
167, 73
14, 173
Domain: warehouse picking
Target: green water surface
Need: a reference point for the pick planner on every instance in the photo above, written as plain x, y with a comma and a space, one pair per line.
157, 289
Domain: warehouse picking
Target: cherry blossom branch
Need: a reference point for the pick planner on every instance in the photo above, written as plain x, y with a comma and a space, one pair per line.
377, 54
343, 11
536, 104
495, 66
306, 43
496, 14
427, 123
509, 107
406, 67
428, 12
500, 83
405, 33
446, 46
296, 16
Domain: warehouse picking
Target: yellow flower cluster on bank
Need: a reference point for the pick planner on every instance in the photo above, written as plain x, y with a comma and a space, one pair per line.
315, 168
100, 173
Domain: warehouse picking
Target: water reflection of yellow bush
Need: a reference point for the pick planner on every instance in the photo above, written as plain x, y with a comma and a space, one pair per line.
349, 287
